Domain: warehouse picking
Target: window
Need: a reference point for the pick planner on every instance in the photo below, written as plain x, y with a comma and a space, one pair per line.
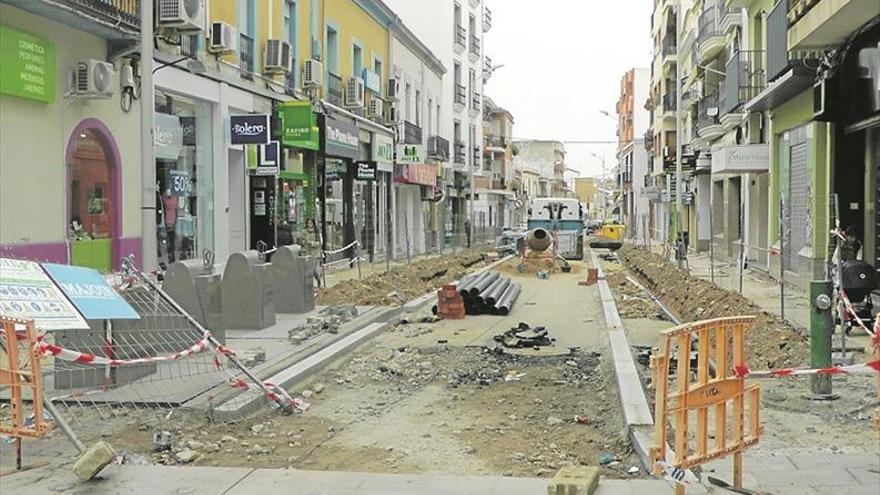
377, 68
457, 73
357, 60
430, 121
408, 100
247, 28
289, 32
332, 54
418, 121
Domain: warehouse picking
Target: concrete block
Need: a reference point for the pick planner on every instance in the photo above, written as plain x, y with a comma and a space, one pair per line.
93, 460
574, 480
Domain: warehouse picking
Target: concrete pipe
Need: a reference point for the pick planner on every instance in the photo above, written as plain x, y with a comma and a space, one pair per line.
538, 239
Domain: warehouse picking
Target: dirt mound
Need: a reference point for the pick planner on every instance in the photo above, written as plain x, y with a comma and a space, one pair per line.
632, 302
402, 283
771, 343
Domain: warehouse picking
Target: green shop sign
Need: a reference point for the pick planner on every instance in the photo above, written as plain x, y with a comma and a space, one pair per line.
299, 126
27, 66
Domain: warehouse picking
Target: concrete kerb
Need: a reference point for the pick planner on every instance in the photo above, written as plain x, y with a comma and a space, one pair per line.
299, 368
636, 411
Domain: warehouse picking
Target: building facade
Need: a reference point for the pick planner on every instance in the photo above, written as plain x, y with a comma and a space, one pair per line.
496, 205
632, 157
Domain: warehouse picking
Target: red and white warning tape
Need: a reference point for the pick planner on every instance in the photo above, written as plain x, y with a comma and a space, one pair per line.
856, 369
51, 350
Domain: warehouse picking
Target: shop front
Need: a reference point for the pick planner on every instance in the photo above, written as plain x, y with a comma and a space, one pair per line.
383, 158
182, 145
340, 149
295, 212
414, 183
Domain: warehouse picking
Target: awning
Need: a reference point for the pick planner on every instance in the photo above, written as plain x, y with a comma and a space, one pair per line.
362, 123
789, 85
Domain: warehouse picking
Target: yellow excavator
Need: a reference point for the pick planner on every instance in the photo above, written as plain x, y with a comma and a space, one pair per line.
609, 236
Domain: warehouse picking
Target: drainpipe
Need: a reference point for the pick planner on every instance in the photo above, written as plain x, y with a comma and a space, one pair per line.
148, 162
678, 172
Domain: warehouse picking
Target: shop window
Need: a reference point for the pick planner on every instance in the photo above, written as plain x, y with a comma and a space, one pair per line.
184, 177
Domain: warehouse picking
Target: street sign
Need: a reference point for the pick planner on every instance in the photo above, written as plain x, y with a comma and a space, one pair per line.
90, 293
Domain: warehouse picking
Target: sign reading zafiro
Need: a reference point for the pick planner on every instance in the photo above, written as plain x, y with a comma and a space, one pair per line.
249, 129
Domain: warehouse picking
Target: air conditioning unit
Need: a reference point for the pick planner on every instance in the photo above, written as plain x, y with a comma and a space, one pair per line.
393, 91
223, 38
392, 115
92, 78
375, 108
354, 93
313, 74
181, 15
276, 57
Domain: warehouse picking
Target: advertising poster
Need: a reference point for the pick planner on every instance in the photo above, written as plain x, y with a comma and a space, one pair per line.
27, 292
90, 293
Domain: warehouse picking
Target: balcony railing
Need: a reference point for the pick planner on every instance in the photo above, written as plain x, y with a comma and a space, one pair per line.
487, 65
189, 45
496, 141
438, 148
487, 19
777, 40
745, 78
476, 153
707, 111
669, 46
334, 89
475, 44
246, 54
476, 100
460, 152
460, 94
460, 35
124, 13
412, 134
709, 23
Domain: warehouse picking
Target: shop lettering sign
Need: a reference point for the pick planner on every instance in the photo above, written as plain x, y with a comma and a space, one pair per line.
741, 159
179, 183
27, 292
249, 129
341, 138
269, 158
366, 171
90, 293
411, 153
419, 174
27, 66
298, 125
383, 152
188, 124
167, 136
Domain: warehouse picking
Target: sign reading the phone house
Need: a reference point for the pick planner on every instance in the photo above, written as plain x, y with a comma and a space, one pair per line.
249, 129
365, 171
27, 66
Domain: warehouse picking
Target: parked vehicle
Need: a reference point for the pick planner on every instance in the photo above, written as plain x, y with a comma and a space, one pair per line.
564, 219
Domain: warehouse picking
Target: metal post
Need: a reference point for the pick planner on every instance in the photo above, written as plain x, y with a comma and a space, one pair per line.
781, 258
742, 247
679, 203
148, 164
711, 246
821, 328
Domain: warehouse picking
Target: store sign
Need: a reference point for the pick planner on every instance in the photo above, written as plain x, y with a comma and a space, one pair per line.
249, 129
269, 158
419, 174
365, 171
179, 182
383, 152
298, 125
188, 124
741, 159
90, 293
341, 138
411, 153
27, 292
27, 66
167, 136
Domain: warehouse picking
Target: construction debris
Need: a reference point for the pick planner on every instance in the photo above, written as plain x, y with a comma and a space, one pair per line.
523, 336
93, 460
488, 293
332, 318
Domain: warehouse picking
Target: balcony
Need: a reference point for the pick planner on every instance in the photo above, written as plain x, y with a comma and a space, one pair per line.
819, 23
708, 122
438, 148
460, 153
460, 41
475, 48
246, 55
475, 3
495, 141
710, 37
745, 79
669, 104
476, 154
412, 134
487, 66
487, 20
109, 19
476, 102
334, 89
460, 99
730, 18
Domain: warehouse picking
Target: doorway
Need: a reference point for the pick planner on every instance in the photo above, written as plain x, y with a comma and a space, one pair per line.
236, 197
93, 196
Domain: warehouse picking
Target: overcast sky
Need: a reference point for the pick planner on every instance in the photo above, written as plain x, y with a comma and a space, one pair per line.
563, 60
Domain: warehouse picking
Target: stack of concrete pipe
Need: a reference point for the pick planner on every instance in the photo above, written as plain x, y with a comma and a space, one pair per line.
488, 293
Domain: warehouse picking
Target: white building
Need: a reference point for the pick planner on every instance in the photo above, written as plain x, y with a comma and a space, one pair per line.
424, 147
453, 30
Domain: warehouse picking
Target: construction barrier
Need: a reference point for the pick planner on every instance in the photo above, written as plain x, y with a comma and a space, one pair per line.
721, 394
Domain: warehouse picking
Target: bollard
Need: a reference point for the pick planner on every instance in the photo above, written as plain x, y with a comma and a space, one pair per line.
821, 328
